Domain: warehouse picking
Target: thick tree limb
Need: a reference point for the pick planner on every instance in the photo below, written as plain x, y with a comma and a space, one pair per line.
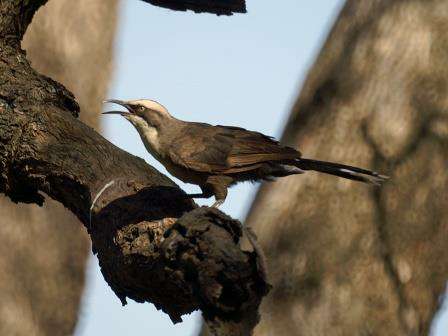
128, 207
15, 16
41, 294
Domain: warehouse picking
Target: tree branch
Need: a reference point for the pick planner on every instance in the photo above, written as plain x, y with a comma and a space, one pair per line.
219, 7
15, 16
131, 210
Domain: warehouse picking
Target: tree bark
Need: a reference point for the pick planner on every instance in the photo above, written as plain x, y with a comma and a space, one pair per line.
44, 249
152, 244
346, 258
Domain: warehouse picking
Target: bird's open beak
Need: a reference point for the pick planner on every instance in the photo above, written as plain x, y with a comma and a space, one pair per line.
118, 102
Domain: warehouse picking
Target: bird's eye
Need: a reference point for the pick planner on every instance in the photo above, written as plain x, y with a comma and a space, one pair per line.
141, 108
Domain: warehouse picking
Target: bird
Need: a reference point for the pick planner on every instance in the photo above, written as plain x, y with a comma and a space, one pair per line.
216, 157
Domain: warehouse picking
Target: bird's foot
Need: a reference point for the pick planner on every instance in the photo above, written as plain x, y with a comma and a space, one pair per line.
217, 204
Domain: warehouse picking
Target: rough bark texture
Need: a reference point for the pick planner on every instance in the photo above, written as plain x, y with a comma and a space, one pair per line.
346, 258
219, 7
129, 209
44, 249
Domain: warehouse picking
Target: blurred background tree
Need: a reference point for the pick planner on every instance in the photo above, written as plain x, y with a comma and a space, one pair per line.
346, 259
44, 250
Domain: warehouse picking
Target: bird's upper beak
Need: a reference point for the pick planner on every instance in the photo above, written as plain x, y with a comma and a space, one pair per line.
119, 102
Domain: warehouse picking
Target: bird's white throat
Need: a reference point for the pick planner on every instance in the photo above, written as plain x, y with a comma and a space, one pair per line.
148, 134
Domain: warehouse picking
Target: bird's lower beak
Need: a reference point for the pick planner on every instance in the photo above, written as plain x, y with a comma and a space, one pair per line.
118, 102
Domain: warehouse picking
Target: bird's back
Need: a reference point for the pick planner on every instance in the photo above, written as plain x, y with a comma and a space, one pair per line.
225, 149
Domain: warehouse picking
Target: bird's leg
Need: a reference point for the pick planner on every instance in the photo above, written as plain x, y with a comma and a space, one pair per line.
215, 185
218, 203
219, 185
207, 192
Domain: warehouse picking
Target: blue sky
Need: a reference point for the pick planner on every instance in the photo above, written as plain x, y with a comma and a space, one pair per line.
243, 70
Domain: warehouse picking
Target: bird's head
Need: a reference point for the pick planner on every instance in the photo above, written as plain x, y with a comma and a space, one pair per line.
142, 113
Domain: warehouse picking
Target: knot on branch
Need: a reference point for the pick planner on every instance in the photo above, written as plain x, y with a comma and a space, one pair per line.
204, 244
184, 264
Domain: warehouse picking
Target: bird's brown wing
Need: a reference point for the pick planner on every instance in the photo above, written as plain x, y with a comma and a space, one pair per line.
225, 149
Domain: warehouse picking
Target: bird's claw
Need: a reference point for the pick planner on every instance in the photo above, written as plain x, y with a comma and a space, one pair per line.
217, 204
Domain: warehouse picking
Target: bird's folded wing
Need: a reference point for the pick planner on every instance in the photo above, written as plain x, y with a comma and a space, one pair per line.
225, 150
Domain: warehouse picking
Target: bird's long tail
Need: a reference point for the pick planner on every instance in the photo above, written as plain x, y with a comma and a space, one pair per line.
349, 172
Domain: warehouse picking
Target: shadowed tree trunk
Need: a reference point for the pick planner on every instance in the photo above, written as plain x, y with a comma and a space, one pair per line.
153, 244
346, 258
44, 249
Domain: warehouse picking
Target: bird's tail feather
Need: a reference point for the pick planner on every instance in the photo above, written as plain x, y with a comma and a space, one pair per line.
349, 172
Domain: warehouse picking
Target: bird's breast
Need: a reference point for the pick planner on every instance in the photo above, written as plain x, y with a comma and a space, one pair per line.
151, 140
